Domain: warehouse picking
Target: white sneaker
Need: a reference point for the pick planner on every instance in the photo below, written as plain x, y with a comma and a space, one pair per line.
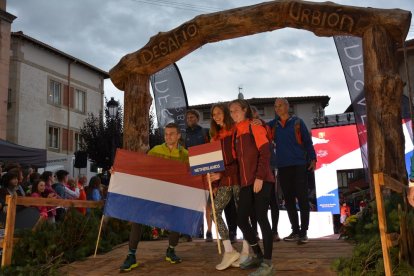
228, 259
243, 257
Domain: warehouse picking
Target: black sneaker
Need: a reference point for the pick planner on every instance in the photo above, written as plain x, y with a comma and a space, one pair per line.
171, 257
293, 237
209, 237
276, 237
303, 238
129, 263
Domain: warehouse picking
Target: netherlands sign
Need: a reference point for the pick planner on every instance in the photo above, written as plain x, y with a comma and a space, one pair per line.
206, 158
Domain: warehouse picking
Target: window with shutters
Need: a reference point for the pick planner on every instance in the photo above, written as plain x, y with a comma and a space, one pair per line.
53, 137
79, 100
67, 139
55, 92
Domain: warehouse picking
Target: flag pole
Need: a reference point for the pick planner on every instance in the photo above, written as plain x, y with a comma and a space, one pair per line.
99, 236
214, 211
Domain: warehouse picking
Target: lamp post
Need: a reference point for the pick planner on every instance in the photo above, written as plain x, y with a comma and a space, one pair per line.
113, 106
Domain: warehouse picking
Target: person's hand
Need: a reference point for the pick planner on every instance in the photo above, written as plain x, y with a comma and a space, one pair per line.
51, 195
215, 176
410, 195
256, 122
312, 165
111, 170
257, 186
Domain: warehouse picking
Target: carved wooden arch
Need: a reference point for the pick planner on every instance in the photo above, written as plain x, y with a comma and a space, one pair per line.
382, 31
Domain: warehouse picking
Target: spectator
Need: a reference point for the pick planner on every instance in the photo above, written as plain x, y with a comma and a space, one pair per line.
47, 177
9, 187
94, 191
82, 194
345, 213
39, 190
61, 187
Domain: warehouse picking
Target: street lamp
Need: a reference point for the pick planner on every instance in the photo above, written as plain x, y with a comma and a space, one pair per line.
113, 106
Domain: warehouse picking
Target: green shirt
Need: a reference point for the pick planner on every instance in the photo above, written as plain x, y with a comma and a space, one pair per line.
163, 151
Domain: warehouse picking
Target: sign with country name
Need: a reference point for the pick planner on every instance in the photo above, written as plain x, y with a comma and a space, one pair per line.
206, 158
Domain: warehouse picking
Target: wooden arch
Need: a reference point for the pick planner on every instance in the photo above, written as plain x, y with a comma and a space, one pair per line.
382, 31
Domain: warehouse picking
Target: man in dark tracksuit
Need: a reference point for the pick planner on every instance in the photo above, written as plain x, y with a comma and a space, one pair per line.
294, 156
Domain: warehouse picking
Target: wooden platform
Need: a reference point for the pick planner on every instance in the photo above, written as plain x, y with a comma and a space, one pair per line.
200, 258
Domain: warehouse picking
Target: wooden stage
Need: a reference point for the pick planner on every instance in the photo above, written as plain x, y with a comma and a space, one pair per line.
200, 258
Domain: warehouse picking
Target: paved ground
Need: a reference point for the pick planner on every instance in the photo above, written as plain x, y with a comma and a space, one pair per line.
200, 258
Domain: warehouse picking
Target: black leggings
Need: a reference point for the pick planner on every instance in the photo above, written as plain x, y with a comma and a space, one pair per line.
135, 236
274, 210
248, 200
293, 181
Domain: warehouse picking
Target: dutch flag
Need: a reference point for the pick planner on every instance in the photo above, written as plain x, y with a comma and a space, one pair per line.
156, 192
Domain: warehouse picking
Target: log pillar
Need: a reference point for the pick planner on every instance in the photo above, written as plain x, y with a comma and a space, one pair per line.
383, 92
137, 102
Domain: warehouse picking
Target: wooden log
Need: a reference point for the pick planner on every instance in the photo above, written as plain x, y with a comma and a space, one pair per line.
393, 184
9, 230
136, 113
383, 92
324, 19
382, 223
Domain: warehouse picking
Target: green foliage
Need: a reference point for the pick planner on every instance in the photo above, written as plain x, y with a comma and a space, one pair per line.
43, 251
364, 231
99, 133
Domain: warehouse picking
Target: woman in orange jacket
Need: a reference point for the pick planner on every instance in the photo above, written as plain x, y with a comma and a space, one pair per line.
226, 182
251, 148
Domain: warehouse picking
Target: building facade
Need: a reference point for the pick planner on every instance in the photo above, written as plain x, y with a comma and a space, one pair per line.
50, 96
6, 20
307, 108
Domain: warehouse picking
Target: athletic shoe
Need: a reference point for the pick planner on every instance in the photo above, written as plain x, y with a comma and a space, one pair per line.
171, 257
263, 270
243, 257
129, 263
303, 238
251, 262
233, 238
293, 237
276, 237
209, 237
228, 259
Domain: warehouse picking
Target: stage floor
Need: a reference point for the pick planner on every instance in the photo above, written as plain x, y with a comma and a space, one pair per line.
200, 258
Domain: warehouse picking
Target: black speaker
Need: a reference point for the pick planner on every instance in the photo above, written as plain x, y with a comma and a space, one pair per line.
81, 158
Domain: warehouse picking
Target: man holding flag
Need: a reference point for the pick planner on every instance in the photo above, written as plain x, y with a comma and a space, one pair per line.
171, 149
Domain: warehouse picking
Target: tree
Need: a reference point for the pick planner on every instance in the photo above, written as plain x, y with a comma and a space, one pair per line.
155, 136
101, 135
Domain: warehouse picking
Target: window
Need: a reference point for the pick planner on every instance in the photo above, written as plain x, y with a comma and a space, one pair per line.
206, 115
78, 141
79, 103
261, 111
55, 92
53, 137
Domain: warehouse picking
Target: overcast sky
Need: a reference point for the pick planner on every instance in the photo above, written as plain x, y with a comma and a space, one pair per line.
285, 62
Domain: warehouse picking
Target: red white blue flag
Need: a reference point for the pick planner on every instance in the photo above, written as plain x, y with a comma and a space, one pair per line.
156, 192
206, 158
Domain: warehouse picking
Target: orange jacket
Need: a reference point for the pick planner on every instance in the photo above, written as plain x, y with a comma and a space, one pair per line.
253, 153
230, 176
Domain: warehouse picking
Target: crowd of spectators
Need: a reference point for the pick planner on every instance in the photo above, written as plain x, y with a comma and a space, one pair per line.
26, 181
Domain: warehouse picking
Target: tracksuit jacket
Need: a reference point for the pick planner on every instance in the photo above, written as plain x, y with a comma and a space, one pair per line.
292, 149
230, 175
251, 148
